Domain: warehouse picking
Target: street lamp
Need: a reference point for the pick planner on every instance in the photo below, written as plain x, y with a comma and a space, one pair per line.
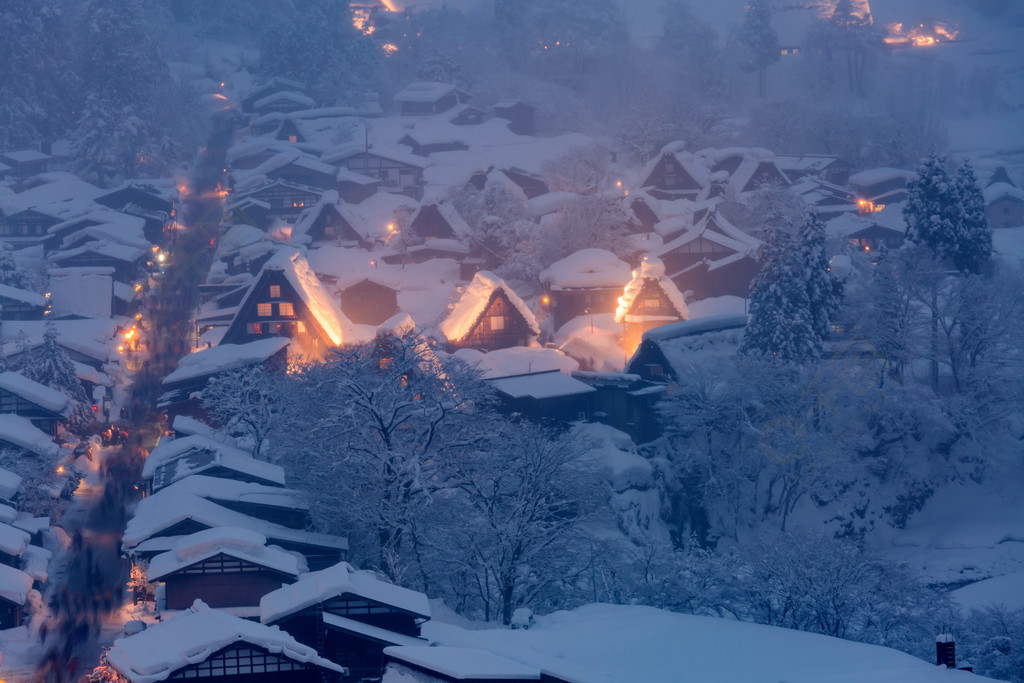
588, 311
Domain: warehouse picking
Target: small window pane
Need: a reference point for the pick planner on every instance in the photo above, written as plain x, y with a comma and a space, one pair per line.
497, 323
275, 291
285, 308
263, 310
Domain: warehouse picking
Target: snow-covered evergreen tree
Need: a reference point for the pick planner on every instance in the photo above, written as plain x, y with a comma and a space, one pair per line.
781, 325
824, 290
974, 234
947, 215
51, 365
12, 273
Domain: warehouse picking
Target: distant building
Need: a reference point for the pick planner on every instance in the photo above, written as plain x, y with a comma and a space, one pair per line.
881, 186
419, 99
521, 117
586, 282
1004, 202
24, 163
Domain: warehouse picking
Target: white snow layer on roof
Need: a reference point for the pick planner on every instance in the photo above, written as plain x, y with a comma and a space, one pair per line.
37, 393
997, 191
14, 585
650, 268
465, 314
216, 488
462, 663
20, 431
159, 512
13, 541
374, 632
517, 360
878, 175
322, 306
87, 294
540, 385
224, 454
637, 643
22, 295
587, 268
193, 636
225, 357
423, 92
243, 544
687, 328
10, 483
342, 578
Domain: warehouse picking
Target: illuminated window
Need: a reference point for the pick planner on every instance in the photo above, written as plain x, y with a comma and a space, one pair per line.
254, 328
285, 308
497, 323
300, 327
275, 292
293, 138
264, 310
652, 303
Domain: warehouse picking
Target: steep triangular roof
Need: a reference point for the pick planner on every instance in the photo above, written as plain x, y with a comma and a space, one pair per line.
651, 270
465, 315
322, 306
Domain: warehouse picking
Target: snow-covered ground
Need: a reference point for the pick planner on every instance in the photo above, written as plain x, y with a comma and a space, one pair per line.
634, 643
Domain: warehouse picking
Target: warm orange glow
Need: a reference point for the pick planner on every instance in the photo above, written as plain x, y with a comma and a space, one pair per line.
60, 469
922, 35
866, 207
389, 49
138, 288
391, 227
120, 349
545, 300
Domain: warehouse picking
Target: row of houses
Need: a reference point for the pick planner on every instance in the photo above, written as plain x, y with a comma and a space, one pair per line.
30, 414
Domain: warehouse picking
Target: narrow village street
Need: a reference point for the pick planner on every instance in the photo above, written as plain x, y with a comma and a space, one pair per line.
89, 602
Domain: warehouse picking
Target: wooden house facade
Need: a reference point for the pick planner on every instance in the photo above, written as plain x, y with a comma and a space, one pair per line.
531, 184
287, 300
24, 163
439, 221
368, 302
489, 316
282, 198
20, 304
424, 98
327, 222
425, 149
14, 588
401, 173
587, 282
209, 644
348, 616
549, 396
26, 227
881, 185
44, 407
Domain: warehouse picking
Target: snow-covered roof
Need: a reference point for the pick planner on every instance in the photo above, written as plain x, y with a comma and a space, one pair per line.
550, 202
13, 541
463, 663
342, 578
10, 484
391, 152
377, 633
220, 453
20, 431
7, 513
225, 357
322, 306
424, 92
466, 313
587, 268
650, 269
36, 561
158, 512
997, 191
14, 585
539, 385
86, 291
37, 393
808, 163
879, 175
24, 155
217, 489
291, 157
243, 544
691, 164
118, 252
194, 635
517, 360
284, 96
685, 328
22, 295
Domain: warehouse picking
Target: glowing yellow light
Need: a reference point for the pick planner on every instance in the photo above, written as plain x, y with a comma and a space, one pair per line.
60, 469
545, 300
618, 183
391, 227
389, 49
160, 258
120, 349
138, 316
